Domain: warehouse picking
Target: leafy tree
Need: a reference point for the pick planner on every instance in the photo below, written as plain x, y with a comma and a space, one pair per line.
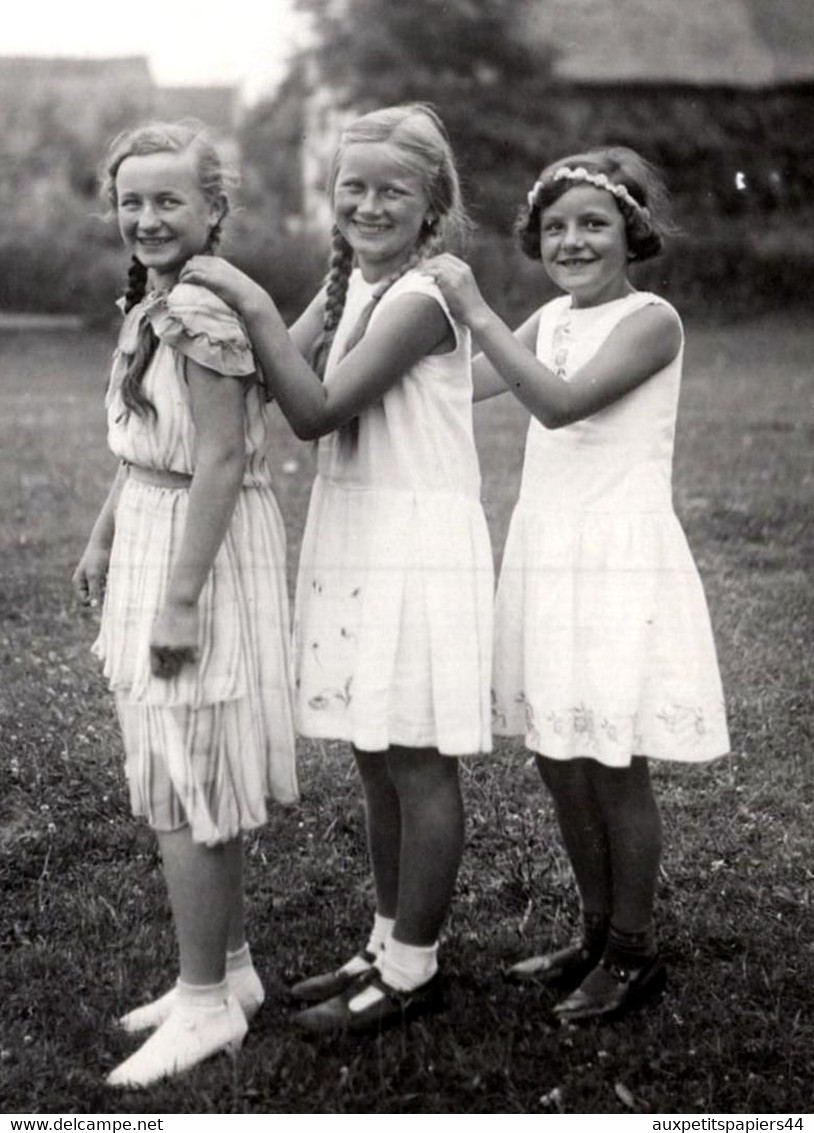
270, 139
472, 59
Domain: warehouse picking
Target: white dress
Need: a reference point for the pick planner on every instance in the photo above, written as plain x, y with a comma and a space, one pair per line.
603, 640
393, 620
209, 746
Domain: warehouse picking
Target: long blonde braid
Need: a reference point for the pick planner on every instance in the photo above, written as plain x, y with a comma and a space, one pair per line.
340, 267
418, 133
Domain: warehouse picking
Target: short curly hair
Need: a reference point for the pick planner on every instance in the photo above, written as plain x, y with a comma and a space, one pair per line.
645, 231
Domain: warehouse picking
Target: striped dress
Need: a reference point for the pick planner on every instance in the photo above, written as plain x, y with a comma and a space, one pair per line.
208, 747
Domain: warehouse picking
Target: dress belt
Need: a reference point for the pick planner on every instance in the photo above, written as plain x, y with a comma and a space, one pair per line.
159, 477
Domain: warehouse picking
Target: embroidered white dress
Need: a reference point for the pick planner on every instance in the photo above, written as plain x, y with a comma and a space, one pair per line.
603, 640
209, 746
393, 621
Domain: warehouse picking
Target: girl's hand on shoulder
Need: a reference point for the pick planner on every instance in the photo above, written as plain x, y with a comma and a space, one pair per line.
91, 574
174, 639
457, 284
229, 283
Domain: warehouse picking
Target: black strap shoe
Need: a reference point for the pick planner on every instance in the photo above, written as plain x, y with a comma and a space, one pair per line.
565, 968
386, 1007
316, 989
610, 991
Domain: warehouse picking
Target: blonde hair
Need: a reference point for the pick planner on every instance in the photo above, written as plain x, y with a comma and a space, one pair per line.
419, 134
645, 227
214, 181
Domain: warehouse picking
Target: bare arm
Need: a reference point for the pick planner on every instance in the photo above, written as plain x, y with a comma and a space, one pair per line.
217, 410
90, 575
641, 345
308, 327
239, 290
412, 326
486, 380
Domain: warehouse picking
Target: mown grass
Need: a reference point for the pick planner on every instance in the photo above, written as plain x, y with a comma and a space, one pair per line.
84, 928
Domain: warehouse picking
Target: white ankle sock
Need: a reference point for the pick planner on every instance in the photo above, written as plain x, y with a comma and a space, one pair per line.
197, 996
241, 958
380, 934
407, 966
376, 943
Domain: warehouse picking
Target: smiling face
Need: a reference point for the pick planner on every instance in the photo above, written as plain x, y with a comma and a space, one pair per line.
583, 244
164, 217
379, 206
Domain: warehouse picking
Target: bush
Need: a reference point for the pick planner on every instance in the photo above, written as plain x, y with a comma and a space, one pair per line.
77, 269
730, 273
735, 270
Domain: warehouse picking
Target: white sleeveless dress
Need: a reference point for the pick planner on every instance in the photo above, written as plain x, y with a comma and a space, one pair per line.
603, 641
208, 747
393, 618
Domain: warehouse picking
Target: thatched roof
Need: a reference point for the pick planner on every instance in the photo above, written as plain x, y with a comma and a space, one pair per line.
742, 43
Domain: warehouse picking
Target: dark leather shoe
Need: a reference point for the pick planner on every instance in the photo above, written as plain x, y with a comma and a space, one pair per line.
386, 1009
610, 991
566, 967
316, 989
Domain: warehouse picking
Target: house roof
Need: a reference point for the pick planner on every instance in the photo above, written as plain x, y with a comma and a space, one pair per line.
742, 43
27, 68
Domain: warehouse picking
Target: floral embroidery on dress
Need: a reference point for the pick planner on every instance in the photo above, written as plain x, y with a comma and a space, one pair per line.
561, 344
581, 721
324, 699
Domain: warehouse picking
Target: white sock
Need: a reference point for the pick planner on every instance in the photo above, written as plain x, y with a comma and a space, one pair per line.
202, 996
244, 982
380, 934
242, 958
407, 966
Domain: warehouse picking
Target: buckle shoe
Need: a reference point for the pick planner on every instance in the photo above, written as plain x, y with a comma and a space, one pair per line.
610, 991
316, 989
371, 1005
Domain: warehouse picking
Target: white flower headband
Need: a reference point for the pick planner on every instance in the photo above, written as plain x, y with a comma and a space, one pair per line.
601, 180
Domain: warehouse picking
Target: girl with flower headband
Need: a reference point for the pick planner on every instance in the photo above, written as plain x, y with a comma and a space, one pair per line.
603, 649
189, 554
393, 621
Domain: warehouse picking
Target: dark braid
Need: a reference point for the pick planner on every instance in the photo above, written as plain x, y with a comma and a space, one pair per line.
134, 398
136, 284
341, 264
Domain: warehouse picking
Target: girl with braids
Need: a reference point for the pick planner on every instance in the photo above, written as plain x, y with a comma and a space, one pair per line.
190, 544
604, 653
394, 595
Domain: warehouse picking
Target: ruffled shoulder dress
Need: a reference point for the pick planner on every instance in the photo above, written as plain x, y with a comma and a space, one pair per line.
603, 642
210, 746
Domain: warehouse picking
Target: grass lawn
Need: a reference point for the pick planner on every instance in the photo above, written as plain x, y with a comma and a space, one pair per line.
84, 926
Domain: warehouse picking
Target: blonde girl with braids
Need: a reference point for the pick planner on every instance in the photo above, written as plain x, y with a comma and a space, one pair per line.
188, 553
603, 649
394, 595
